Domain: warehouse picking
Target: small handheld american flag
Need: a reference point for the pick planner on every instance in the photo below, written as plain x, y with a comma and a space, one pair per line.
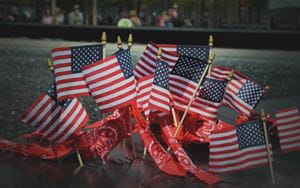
288, 125
242, 93
56, 121
68, 63
239, 148
184, 80
111, 81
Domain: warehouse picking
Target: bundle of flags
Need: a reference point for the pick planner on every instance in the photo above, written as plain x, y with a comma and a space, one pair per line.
167, 78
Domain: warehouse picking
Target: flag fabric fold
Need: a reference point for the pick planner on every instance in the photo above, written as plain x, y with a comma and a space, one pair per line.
184, 159
100, 141
288, 126
56, 121
111, 81
115, 115
68, 63
161, 157
238, 148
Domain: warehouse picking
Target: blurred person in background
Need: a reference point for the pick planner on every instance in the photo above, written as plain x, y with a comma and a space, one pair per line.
187, 23
47, 17
176, 16
168, 21
27, 13
162, 19
134, 18
124, 21
76, 16
15, 15
59, 17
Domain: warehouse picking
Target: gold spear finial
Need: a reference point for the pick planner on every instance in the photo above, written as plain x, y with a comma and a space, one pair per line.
50, 65
230, 75
130, 40
211, 41
119, 42
103, 38
159, 53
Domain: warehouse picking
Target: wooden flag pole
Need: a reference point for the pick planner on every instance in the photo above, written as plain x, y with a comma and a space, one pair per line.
119, 42
131, 137
263, 118
130, 41
210, 61
79, 160
145, 148
103, 42
132, 141
210, 44
174, 116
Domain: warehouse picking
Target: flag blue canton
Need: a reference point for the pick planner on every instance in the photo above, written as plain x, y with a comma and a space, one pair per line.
52, 93
200, 52
84, 55
125, 60
161, 73
189, 67
250, 93
213, 90
250, 134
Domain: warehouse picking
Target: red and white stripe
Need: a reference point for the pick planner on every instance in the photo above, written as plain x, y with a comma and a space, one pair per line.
230, 98
182, 91
225, 155
108, 85
160, 99
171, 48
147, 62
288, 126
69, 85
144, 87
54, 122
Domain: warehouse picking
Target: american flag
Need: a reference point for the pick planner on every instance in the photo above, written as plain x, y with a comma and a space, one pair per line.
56, 121
288, 125
160, 94
184, 80
196, 51
146, 64
111, 81
210, 97
239, 148
68, 63
144, 87
242, 93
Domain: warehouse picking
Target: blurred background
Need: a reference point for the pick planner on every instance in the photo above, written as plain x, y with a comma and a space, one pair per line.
227, 14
